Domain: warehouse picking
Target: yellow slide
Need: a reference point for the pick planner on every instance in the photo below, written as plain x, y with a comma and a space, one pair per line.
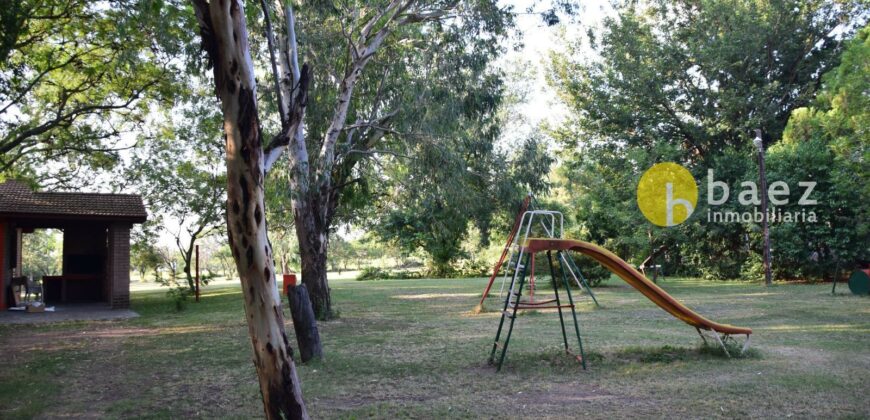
636, 280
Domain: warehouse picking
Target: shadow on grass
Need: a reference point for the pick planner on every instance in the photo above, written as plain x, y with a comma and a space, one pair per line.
671, 354
734, 351
558, 359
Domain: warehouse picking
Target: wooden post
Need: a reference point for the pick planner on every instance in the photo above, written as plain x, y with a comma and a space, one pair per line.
197, 273
304, 323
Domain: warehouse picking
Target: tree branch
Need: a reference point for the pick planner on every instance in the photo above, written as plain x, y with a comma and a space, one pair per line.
368, 45
270, 37
295, 138
380, 152
68, 117
273, 150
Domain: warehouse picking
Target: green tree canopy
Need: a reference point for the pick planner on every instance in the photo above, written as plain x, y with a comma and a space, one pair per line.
41, 253
421, 125
75, 76
828, 143
700, 75
179, 169
686, 82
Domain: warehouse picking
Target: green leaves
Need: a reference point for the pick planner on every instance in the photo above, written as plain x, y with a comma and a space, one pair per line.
75, 76
827, 143
685, 82
41, 253
700, 76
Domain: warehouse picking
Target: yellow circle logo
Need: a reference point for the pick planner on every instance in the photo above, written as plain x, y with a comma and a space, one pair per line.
667, 194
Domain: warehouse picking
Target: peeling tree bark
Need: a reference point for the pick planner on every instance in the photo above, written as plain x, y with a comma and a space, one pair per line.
225, 39
314, 205
313, 243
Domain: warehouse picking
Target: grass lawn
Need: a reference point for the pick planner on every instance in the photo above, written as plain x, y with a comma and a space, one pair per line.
411, 348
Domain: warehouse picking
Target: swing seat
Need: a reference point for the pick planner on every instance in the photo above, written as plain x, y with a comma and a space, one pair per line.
544, 304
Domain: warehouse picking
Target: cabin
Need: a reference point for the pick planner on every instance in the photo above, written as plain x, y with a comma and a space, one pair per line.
96, 242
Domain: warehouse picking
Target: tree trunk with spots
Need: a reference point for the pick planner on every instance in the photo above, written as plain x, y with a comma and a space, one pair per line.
225, 39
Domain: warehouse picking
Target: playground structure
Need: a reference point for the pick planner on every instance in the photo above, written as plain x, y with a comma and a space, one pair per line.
525, 220
522, 264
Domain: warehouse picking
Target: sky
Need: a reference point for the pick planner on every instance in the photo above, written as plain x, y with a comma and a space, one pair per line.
539, 40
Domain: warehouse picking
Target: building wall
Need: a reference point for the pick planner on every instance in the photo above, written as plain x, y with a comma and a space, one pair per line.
10, 257
5, 269
84, 245
118, 265
19, 235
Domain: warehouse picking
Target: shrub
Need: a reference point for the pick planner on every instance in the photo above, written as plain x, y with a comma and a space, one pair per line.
372, 273
468, 267
377, 273
594, 272
180, 295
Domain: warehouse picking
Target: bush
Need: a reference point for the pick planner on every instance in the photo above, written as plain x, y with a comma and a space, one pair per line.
180, 295
372, 273
753, 268
594, 272
377, 273
468, 267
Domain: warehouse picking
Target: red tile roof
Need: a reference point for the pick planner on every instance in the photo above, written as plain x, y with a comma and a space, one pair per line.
17, 199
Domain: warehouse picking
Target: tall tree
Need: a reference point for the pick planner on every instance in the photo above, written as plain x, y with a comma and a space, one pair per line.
374, 60
224, 33
701, 75
828, 143
326, 157
388, 70
179, 169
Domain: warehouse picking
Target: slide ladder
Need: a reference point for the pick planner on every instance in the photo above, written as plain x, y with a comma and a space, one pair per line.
514, 303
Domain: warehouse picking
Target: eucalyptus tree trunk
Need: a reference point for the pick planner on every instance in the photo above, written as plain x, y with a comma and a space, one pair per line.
313, 243
225, 39
315, 189
313, 221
